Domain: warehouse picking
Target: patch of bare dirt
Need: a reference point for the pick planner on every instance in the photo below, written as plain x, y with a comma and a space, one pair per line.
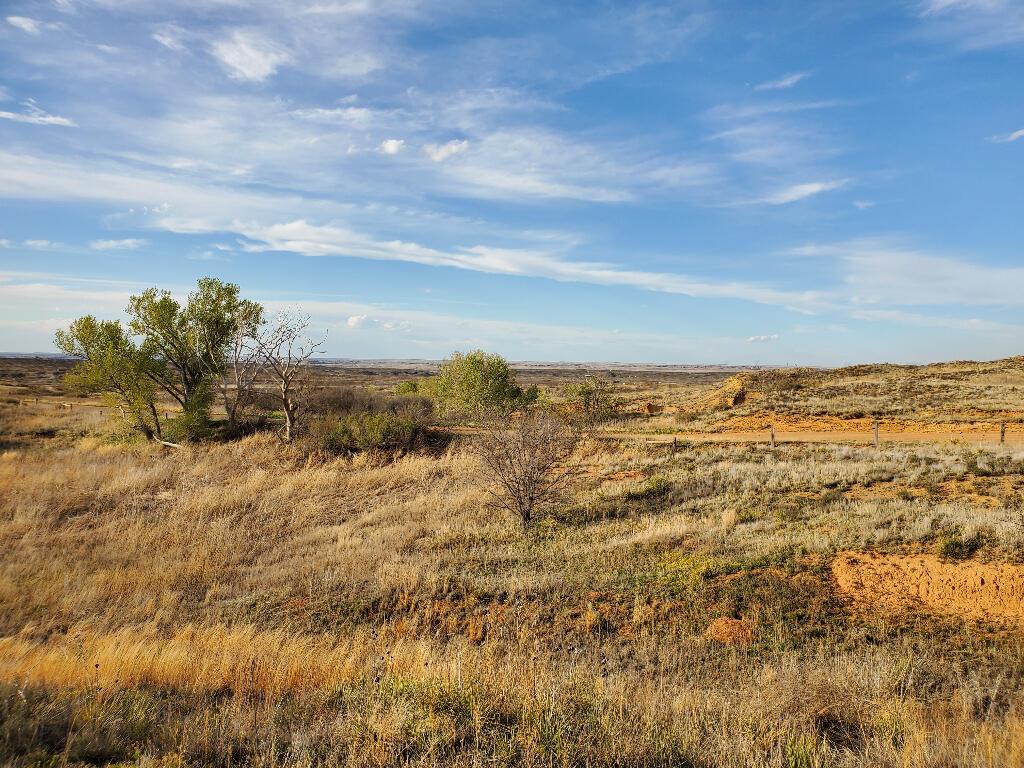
974, 591
629, 474
886, 491
737, 632
732, 392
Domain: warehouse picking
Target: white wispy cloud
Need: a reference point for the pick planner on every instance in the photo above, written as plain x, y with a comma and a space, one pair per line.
248, 55
863, 205
170, 36
763, 338
391, 146
1005, 138
127, 244
878, 272
40, 245
203, 209
786, 81
772, 147
795, 192
360, 117
363, 322
356, 321
441, 152
533, 163
25, 24
35, 115
920, 320
419, 333
331, 240
974, 24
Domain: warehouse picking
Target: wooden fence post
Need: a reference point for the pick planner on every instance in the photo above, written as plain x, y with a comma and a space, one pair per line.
1002, 432
876, 424
773, 435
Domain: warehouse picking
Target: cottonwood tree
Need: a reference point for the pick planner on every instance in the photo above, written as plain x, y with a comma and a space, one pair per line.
113, 365
525, 458
286, 350
191, 340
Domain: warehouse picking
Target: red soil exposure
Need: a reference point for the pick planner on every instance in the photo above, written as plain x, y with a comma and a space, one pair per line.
990, 592
731, 631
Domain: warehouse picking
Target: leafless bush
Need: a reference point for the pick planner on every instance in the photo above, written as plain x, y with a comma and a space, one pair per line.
236, 368
287, 351
524, 457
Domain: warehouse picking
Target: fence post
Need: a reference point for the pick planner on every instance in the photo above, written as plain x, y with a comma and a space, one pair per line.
675, 444
1002, 432
876, 432
773, 435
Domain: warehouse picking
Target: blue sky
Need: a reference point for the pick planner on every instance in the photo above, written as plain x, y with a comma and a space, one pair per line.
817, 182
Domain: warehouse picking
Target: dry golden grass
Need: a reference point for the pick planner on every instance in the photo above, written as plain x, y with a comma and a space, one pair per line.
243, 603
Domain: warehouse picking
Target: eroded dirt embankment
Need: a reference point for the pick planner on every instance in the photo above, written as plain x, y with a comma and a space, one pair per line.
974, 591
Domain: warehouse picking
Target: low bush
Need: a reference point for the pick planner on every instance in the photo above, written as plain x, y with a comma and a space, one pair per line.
342, 401
591, 401
385, 431
953, 545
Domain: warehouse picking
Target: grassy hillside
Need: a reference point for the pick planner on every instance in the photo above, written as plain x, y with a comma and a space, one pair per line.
250, 603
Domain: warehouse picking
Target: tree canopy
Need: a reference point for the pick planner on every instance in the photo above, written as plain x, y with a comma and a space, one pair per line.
192, 339
114, 365
181, 349
477, 382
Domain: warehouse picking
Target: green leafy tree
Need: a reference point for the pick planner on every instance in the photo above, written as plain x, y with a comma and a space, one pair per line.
113, 365
476, 383
192, 340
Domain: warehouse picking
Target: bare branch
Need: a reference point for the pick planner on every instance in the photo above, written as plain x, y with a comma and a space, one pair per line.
525, 460
286, 351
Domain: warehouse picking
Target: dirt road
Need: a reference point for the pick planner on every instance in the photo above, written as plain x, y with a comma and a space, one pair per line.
967, 437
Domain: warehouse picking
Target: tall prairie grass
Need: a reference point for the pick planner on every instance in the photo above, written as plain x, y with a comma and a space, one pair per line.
245, 603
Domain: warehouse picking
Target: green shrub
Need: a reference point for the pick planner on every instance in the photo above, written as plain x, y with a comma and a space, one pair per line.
364, 431
651, 488
953, 545
341, 401
476, 383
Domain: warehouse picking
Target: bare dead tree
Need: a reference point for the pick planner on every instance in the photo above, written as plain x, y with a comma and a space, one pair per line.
286, 351
236, 368
525, 458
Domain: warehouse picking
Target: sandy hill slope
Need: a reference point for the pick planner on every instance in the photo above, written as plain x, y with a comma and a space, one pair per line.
954, 393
